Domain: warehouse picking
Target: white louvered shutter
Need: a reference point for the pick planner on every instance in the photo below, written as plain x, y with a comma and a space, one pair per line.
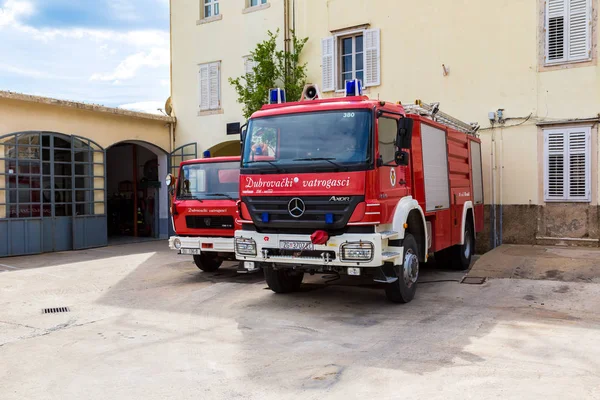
204, 88
567, 164
555, 171
579, 164
327, 64
214, 83
556, 21
249, 65
372, 57
568, 30
579, 29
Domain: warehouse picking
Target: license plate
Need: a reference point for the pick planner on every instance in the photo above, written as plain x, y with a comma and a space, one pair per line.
191, 252
295, 245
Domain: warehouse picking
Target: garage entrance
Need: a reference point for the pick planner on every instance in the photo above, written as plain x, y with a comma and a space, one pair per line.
52, 193
136, 199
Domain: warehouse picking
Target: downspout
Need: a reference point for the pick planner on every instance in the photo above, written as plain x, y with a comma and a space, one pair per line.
493, 183
501, 208
286, 35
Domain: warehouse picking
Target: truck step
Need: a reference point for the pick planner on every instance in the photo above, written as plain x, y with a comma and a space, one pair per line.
390, 255
389, 235
381, 277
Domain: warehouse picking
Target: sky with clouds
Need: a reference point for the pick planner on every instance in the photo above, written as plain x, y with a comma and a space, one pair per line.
110, 52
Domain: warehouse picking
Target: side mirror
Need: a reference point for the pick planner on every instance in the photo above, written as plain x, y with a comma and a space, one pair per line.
243, 131
401, 158
405, 131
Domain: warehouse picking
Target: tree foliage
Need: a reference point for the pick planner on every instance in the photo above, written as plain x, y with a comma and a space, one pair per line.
272, 68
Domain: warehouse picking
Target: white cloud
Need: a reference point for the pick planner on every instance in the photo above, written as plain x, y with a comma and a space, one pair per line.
13, 10
129, 67
150, 107
101, 65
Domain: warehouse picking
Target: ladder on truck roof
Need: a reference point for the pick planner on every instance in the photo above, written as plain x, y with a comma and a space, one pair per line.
433, 111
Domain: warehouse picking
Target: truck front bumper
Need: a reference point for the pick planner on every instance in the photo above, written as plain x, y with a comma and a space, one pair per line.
196, 245
348, 250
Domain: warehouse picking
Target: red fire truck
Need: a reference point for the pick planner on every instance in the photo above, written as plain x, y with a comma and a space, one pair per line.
359, 187
204, 210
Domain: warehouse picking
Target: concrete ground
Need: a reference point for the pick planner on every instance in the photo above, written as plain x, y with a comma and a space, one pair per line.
147, 324
573, 264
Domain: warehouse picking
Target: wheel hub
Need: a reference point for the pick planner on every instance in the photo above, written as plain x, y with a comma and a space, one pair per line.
410, 268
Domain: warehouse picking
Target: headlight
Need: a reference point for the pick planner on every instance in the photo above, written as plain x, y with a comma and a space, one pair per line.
177, 244
246, 247
357, 251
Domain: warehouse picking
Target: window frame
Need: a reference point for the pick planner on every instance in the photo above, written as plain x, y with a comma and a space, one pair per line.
212, 4
340, 81
258, 3
566, 132
567, 59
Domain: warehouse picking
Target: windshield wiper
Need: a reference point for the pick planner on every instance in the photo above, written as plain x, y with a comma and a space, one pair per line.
220, 194
269, 162
190, 197
329, 160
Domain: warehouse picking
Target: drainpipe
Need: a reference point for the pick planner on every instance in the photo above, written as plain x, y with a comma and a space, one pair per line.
286, 33
171, 136
501, 208
493, 184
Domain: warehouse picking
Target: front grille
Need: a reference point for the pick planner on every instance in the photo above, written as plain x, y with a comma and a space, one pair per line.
314, 217
209, 222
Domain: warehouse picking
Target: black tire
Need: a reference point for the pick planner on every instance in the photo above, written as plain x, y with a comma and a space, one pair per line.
403, 290
283, 280
208, 262
460, 255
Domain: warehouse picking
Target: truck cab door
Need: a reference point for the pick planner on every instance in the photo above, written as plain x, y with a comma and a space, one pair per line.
392, 180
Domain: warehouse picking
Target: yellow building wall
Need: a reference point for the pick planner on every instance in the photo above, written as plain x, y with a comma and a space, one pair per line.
491, 49
227, 40
103, 128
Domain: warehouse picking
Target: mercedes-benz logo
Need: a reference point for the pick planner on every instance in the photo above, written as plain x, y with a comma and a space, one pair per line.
207, 221
296, 207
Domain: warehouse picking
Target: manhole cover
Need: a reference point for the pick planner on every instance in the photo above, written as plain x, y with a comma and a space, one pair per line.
473, 280
55, 310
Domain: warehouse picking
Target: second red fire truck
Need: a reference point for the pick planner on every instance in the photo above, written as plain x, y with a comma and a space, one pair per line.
204, 211
359, 187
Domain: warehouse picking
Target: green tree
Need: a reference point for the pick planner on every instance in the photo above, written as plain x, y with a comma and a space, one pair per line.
272, 68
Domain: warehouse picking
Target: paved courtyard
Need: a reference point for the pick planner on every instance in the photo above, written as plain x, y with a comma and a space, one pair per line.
147, 324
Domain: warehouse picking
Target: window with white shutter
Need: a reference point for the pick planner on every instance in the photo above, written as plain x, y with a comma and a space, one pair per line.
351, 55
567, 167
568, 31
210, 86
327, 64
249, 65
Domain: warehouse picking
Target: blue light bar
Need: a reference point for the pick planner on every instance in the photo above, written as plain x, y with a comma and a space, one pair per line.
265, 217
206, 154
276, 96
354, 87
329, 218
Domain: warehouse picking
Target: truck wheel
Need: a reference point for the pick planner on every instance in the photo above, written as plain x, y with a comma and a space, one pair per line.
208, 262
460, 255
404, 289
283, 280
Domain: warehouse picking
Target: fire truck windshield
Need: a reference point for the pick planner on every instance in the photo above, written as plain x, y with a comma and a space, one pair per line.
331, 139
208, 180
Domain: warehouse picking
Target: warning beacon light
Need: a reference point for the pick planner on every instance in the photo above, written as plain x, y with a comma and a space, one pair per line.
354, 87
276, 96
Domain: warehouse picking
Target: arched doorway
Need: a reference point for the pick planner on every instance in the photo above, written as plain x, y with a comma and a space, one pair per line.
52, 193
137, 200
226, 149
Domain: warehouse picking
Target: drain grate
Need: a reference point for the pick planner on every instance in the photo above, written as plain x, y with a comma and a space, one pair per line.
55, 310
473, 280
